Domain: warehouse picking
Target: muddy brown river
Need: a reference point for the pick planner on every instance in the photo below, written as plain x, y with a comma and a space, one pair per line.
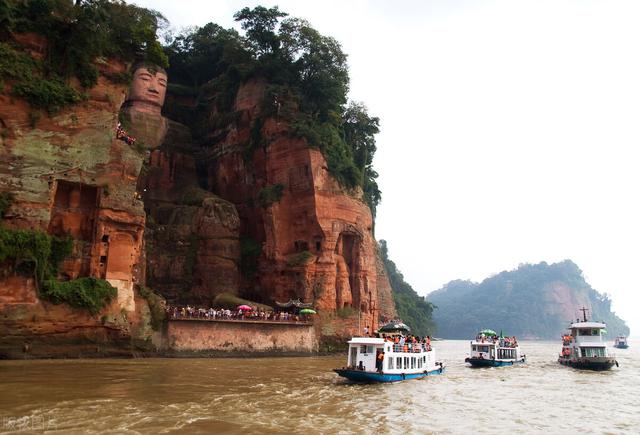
303, 395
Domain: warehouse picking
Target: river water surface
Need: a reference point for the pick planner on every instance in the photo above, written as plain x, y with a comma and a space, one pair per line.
303, 395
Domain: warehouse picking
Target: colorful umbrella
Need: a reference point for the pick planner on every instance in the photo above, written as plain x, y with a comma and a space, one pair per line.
244, 308
307, 311
394, 326
488, 332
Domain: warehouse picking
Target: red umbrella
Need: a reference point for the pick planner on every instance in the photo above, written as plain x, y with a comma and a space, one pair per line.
244, 308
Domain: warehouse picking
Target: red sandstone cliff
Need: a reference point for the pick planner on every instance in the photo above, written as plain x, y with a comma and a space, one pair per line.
316, 241
138, 214
71, 176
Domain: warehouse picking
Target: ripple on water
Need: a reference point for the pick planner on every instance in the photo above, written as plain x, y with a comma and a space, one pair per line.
302, 395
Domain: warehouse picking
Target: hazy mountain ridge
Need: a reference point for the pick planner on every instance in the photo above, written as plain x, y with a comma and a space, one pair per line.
533, 301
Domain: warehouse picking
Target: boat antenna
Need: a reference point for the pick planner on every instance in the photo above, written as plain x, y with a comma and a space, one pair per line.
584, 313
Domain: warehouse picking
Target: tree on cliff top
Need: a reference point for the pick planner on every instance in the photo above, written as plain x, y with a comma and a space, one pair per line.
412, 308
78, 33
307, 74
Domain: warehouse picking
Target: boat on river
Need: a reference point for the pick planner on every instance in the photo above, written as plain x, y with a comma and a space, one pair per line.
392, 357
621, 342
379, 360
490, 350
584, 348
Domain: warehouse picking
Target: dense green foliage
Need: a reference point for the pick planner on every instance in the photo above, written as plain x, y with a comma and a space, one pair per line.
89, 293
300, 258
412, 308
308, 83
156, 306
49, 95
6, 199
522, 302
270, 194
77, 34
33, 252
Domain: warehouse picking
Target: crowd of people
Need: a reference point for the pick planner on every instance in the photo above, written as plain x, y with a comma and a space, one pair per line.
122, 135
502, 341
189, 312
409, 343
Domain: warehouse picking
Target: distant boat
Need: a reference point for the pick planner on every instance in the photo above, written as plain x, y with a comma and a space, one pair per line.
381, 360
490, 350
621, 342
584, 348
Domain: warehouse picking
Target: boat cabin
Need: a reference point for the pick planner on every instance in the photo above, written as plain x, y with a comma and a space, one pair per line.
494, 349
363, 352
621, 340
411, 357
585, 340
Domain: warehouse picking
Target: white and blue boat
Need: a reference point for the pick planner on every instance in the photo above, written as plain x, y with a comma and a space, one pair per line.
584, 348
379, 360
490, 350
621, 342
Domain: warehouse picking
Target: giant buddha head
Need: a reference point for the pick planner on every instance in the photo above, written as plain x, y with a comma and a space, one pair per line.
148, 87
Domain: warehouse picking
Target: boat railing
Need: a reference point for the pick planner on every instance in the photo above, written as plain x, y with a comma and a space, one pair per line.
411, 347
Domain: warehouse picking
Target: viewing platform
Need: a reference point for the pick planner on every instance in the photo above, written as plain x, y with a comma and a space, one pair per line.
240, 320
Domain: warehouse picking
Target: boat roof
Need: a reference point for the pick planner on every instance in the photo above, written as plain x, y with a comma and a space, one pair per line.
366, 340
589, 325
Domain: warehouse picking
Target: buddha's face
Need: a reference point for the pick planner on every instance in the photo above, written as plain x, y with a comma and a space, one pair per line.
148, 86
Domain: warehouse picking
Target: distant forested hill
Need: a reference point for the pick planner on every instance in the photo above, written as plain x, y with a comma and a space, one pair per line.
412, 308
533, 301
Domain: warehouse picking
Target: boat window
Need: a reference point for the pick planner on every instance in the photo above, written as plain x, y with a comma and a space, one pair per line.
484, 348
474, 348
406, 362
424, 358
588, 332
413, 362
593, 351
366, 349
399, 362
419, 363
390, 364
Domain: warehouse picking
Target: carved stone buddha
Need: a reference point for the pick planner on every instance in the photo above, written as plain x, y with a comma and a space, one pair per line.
142, 110
148, 89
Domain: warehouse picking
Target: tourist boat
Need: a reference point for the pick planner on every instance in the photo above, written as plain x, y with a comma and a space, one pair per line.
584, 348
621, 342
490, 350
397, 363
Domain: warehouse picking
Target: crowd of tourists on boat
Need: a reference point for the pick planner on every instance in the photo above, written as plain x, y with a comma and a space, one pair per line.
191, 313
502, 341
409, 343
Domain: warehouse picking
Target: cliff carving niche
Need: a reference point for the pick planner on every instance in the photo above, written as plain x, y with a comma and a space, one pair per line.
74, 210
347, 280
191, 234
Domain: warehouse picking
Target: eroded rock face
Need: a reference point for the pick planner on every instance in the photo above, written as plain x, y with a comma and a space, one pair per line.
192, 238
316, 240
71, 176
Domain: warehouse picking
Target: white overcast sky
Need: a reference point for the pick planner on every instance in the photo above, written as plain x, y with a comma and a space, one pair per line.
510, 130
